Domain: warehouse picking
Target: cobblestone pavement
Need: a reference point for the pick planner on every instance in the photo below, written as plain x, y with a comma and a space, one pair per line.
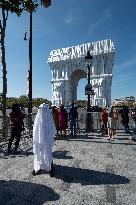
88, 170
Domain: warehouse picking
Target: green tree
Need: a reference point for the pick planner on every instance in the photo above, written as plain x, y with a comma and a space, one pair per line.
39, 101
23, 101
10, 101
13, 6
82, 103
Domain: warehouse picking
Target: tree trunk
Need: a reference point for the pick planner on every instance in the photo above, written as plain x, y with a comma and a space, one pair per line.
4, 71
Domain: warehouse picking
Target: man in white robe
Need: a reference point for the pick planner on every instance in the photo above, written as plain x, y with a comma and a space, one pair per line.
43, 139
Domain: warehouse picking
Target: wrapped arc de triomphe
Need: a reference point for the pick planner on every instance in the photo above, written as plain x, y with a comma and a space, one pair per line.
68, 67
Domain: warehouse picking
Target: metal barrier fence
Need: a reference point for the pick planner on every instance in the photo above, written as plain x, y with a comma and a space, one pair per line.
8, 126
81, 124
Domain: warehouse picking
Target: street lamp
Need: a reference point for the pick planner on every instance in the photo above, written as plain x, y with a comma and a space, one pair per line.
46, 4
30, 76
88, 91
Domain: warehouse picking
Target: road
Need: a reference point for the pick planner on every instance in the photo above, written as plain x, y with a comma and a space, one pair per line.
88, 170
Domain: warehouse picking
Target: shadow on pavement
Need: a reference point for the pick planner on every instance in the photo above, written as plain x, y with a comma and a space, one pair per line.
19, 153
61, 155
25, 193
3, 157
83, 137
106, 142
87, 177
26, 152
68, 137
123, 138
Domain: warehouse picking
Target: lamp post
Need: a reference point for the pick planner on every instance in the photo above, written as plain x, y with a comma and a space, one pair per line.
46, 4
88, 90
30, 76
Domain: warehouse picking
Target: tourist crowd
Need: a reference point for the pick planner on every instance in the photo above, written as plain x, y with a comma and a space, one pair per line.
67, 117
62, 116
108, 119
52, 121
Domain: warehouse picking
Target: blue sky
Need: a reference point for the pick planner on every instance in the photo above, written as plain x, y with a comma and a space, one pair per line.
68, 23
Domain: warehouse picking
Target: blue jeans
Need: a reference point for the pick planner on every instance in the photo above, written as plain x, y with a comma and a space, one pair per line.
73, 126
125, 124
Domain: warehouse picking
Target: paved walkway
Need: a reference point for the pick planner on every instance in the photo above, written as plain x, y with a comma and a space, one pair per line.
88, 170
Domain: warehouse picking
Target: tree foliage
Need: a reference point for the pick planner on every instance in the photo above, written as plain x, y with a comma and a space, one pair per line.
18, 6
38, 101
82, 103
10, 101
23, 101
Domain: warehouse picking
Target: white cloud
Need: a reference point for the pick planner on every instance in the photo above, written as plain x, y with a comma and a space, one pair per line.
106, 15
69, 18
100, 21
124, 79
127, 64
41, 27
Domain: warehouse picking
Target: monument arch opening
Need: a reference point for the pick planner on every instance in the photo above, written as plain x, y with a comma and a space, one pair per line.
81, 89
74, 79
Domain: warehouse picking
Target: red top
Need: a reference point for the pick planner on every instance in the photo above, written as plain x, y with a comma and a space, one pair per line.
17, 119
104, 117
